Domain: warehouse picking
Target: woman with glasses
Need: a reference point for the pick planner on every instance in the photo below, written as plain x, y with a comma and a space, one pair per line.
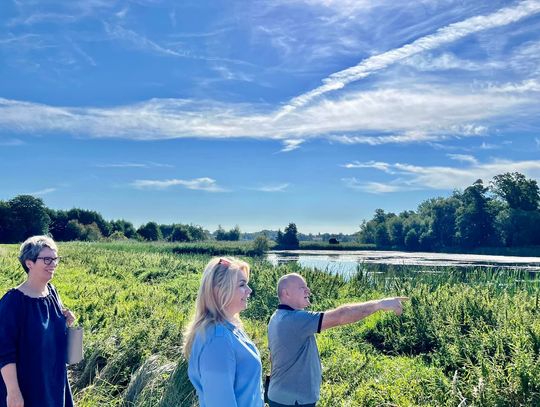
224, 365
33, 333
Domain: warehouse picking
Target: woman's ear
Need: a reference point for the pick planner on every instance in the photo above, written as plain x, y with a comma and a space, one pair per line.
29, 264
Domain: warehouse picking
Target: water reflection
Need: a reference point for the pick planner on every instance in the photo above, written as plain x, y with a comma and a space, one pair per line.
349, 262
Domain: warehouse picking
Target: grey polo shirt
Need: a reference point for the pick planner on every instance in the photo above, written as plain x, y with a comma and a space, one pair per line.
296, 367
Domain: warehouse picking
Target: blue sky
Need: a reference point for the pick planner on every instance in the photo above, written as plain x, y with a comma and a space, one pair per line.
260, 113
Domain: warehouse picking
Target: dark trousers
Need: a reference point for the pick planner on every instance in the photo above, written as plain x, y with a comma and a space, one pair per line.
273, 404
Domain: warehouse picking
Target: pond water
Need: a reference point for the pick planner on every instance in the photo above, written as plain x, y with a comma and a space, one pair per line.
347, 262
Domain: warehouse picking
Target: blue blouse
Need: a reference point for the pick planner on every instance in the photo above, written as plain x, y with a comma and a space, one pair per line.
225, 368
33, 335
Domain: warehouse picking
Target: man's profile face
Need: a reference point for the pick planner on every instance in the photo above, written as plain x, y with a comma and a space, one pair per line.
298, 293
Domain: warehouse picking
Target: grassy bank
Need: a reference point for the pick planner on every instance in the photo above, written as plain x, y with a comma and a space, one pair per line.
469, 337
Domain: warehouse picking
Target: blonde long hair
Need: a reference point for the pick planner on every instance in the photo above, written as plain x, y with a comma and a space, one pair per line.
216, 291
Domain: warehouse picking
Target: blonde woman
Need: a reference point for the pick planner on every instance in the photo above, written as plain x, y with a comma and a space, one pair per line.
224, 365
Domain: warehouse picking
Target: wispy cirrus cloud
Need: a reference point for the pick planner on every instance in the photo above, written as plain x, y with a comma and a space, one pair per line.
415, 177
447, 61
291, 145
372, 187
416, 114
134, 165
442, 36
463, 158
143, 43
42, 192
382, 166
272, 188
200, 184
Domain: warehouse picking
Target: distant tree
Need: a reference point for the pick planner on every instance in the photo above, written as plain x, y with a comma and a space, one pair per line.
381, 236
117, 236
180, 233
231, 235
197, 233
396, 232
261, 245
87, 217
440, 215
127, 228
518, 227
474, 220
150, 231
166, 231
28, 217
279, 237
92, 232
220, 233
74, 230
5, 222
411, 240
59, 221
367, 232
290, 238
518, 191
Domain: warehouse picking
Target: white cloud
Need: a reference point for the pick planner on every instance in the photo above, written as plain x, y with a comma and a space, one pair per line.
42, 192
382, 166
529, 85
488, 146
414, 177
416, 115
446, 61
273, 188
371, 187
441, 37
133, 165
463, 158
145, 44
290, 145
202, 184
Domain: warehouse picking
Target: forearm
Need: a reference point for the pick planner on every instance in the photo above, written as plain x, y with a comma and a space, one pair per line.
349, 313
9, 374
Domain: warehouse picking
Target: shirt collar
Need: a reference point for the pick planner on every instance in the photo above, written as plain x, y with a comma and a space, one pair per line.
284, 306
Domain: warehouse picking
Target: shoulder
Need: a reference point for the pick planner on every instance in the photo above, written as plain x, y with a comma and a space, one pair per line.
302, 315
11, 300
212, 333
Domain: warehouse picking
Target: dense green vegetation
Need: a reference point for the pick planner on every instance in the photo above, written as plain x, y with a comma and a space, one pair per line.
466, 336
505, 214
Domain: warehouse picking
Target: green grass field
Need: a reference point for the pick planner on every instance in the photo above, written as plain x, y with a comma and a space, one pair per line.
466, 337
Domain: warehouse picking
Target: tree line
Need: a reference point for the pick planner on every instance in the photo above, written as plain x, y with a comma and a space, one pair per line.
26, 215
502, 214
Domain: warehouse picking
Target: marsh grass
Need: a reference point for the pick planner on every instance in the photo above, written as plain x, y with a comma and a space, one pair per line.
467, 337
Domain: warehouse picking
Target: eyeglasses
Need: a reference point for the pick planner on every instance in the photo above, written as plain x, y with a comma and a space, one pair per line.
49, 260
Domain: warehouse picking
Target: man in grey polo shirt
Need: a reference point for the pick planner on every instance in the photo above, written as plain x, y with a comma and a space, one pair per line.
295, 379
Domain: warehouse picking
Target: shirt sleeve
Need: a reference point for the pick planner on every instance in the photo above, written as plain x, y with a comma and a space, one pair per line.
305, 323
218, 371
9, 329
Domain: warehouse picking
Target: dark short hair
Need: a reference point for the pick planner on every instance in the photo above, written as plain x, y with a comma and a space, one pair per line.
32, 246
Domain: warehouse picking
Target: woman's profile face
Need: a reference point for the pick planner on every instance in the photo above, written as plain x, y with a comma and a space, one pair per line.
241, 294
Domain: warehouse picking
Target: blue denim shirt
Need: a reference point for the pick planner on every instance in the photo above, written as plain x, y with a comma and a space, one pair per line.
225, 368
